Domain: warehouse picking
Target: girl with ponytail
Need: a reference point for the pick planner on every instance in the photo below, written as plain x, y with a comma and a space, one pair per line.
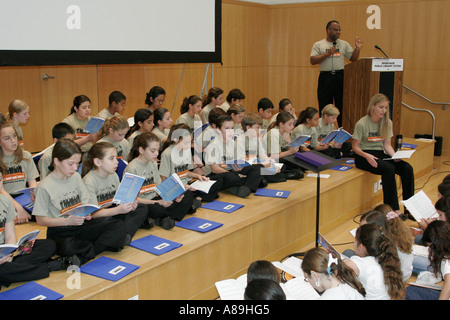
376, 264
331, 276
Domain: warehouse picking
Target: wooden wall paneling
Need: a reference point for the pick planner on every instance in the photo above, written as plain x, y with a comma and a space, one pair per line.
57, 95
128, 79
23, 83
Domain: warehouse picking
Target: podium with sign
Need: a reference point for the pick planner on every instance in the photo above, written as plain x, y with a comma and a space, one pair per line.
363, 79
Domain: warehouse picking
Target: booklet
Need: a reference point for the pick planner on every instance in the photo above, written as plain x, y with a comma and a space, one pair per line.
30, 291
237, 163
222, 206
299, 140
127, 192
402, 154
203, 186
108, 268
23, 246
409, 145
121, 167
128, 189
272, 193
171, 188
198, 224
94, 125
155, 245
327, 246
420, 206
338, 136
23, 197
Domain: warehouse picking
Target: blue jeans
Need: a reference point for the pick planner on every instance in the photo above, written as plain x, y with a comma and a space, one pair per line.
419, 293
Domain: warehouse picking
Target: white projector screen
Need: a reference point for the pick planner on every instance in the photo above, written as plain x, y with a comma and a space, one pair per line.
60, 32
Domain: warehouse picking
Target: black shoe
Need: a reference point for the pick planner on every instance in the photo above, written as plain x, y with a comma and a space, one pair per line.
264, 183
165, 223
127, 240
294, 175
71, 261
147, 224
243, 191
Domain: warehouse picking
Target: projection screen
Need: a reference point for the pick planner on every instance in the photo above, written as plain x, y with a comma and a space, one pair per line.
67, 32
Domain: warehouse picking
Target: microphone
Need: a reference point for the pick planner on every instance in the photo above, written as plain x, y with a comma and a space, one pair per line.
377, 47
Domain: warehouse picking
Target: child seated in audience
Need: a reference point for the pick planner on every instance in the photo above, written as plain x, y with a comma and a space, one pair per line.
328, 123
154, 98
205, 137
177, 158
190, 112
241, 181
59, 131
162, 120
234, 96
212, 100
264, 289
376, 264
237, 112
113, 131
284, 105
265, 108
143, 122
331, 276
307, 125
143, 162
99, 176
34, 265
78, 238
250, 144
18, 113
117, 101
20, 169
437, 237
276, 143
78, 119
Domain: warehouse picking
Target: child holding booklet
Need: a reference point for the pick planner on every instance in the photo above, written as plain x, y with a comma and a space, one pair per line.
142, 162
241, 181
102, 183
307, 125
143, 122
331, 276
20, 172
376, 264
251, 145
276, 143
27, 267
177, 158
80, 238
437, 236
327, 123
190, 112
114, 131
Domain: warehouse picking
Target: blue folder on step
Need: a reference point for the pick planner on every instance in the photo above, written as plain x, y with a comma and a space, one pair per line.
198, 224
30, 291
108, 268
155, 245
227, 207
341, 168
272, 193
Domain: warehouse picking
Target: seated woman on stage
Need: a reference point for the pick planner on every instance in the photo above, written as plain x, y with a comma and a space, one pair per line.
372, 143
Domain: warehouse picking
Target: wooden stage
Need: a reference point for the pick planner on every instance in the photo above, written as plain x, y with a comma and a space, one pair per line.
265, 228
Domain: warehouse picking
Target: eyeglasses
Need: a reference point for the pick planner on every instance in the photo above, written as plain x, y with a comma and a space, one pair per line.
334, 29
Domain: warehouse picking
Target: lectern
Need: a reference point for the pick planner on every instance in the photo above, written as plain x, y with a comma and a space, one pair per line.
363, 79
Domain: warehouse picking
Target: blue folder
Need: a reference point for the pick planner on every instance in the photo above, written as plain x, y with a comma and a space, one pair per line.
263, 192
198, 224
341, 168
30, 291
155, 245
227, 207
108, 268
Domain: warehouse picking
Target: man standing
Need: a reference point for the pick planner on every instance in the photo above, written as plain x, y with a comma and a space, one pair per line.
329, 54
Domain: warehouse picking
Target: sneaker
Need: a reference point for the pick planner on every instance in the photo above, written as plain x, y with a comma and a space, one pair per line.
71, 261
147, 224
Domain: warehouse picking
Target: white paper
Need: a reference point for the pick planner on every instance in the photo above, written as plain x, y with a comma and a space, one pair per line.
420, 206
402, 154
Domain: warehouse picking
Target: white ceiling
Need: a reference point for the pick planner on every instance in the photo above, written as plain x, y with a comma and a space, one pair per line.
272, 2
